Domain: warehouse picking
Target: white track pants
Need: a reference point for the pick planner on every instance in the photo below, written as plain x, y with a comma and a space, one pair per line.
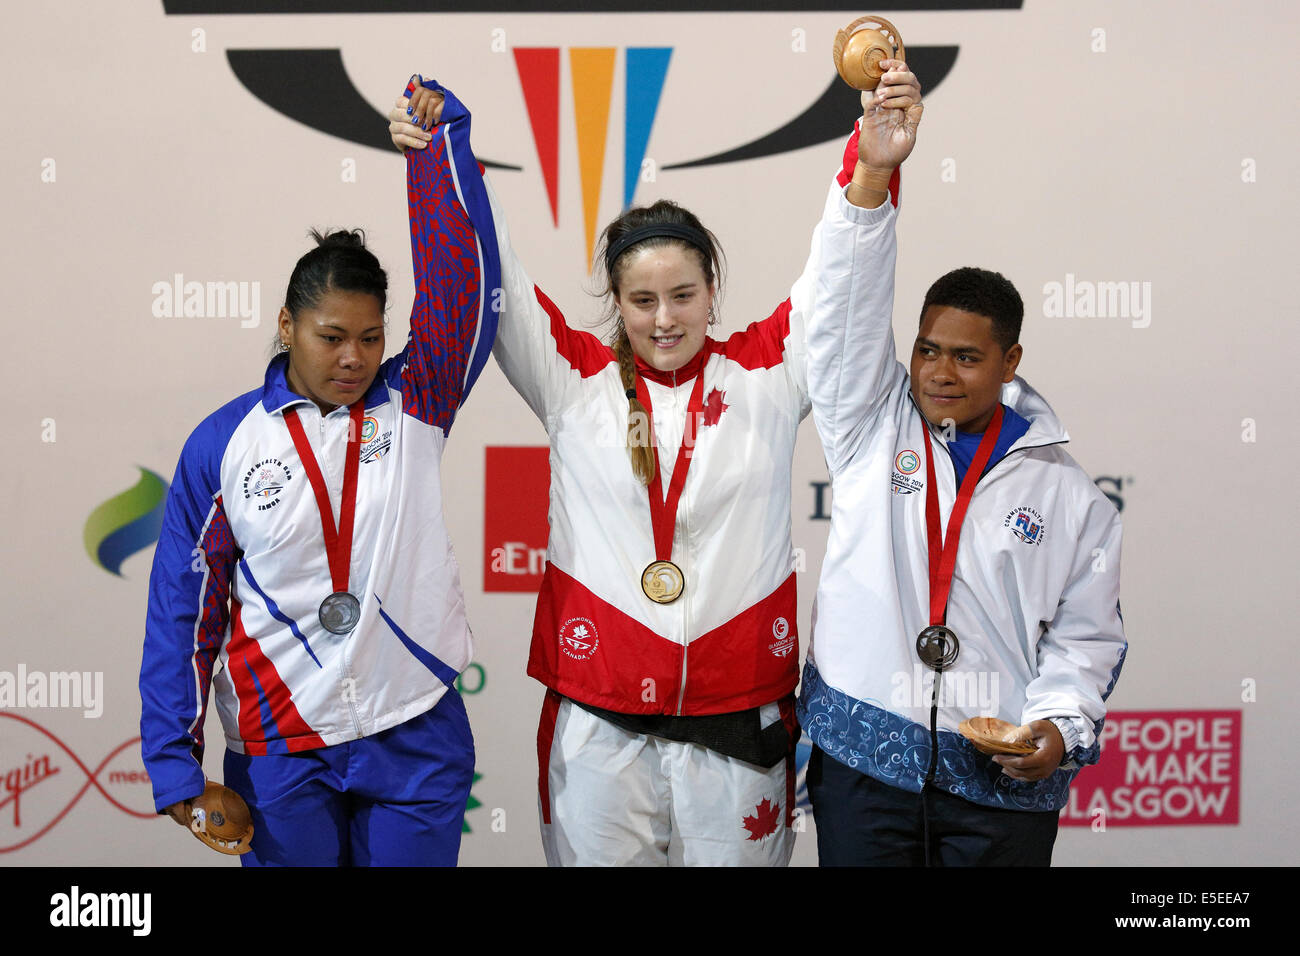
608, 797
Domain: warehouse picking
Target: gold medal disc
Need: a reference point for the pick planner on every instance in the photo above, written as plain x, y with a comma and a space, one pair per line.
663, 582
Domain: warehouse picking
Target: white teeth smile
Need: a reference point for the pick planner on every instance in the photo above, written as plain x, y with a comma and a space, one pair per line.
667, 342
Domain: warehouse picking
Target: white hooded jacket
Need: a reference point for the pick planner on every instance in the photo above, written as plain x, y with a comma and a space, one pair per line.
1034, 598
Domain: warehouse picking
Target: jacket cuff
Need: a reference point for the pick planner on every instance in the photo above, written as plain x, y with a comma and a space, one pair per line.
1070, 734
188, 790
860, 216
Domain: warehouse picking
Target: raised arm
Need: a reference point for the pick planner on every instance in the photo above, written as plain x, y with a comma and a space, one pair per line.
850, 337
457, 267
534, 345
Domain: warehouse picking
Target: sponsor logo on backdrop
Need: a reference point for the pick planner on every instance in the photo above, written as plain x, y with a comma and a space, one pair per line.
517, 485
1162, 768
42, 779
471, 803
126, 523
1112, 486
291, 81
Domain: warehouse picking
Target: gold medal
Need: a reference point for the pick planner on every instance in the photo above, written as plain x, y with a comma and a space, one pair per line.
663, 582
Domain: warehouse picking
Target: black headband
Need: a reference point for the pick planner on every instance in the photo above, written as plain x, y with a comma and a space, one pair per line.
665, 229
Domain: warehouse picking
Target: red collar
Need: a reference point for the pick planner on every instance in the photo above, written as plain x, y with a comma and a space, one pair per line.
683, 374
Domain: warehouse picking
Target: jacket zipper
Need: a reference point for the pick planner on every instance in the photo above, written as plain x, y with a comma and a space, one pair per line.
686, 597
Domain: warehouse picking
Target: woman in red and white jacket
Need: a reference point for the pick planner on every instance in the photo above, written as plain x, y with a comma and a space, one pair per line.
666, 623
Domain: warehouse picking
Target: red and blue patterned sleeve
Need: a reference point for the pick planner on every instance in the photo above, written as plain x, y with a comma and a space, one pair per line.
457, 271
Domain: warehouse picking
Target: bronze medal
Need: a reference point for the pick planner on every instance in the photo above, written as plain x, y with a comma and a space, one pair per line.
937, 646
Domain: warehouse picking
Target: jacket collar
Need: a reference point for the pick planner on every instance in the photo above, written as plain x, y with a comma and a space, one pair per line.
683, 374
1044, 427
277, 395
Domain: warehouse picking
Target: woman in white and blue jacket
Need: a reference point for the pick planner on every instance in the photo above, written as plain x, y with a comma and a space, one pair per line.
304, 570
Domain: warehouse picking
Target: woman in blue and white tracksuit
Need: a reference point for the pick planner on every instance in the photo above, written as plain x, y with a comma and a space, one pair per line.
304, 570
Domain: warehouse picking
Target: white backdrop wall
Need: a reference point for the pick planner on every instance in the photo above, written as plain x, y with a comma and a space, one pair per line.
1096, 142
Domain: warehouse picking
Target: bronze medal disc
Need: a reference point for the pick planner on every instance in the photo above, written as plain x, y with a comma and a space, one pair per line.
937, 646
663, 582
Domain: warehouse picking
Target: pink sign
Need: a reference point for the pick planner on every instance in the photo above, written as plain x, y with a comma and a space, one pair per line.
1162, 768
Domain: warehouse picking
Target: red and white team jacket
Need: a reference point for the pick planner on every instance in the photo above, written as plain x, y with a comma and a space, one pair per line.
730, 642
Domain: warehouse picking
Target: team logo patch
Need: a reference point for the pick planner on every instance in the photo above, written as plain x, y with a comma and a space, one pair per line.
785, 640
1026, 524
578, 638
264, 481
906, 463
373, 444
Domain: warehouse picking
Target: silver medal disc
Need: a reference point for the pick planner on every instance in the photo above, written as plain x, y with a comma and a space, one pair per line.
340, 612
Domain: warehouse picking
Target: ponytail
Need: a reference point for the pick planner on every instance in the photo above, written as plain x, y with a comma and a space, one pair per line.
638, 420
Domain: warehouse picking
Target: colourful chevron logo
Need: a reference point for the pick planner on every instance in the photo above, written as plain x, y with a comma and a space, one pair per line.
126, 523
592, 72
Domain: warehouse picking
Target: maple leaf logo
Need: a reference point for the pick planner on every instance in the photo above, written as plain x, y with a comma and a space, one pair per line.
714, 406
764, 824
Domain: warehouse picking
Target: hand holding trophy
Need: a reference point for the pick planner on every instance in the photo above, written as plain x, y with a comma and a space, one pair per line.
218, 817
871, 60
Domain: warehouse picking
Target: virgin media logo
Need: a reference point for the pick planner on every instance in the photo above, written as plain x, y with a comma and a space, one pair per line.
42, 779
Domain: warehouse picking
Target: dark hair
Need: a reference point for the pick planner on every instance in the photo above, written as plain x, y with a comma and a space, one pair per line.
667, 213
340, 262
683, 222
985, 293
